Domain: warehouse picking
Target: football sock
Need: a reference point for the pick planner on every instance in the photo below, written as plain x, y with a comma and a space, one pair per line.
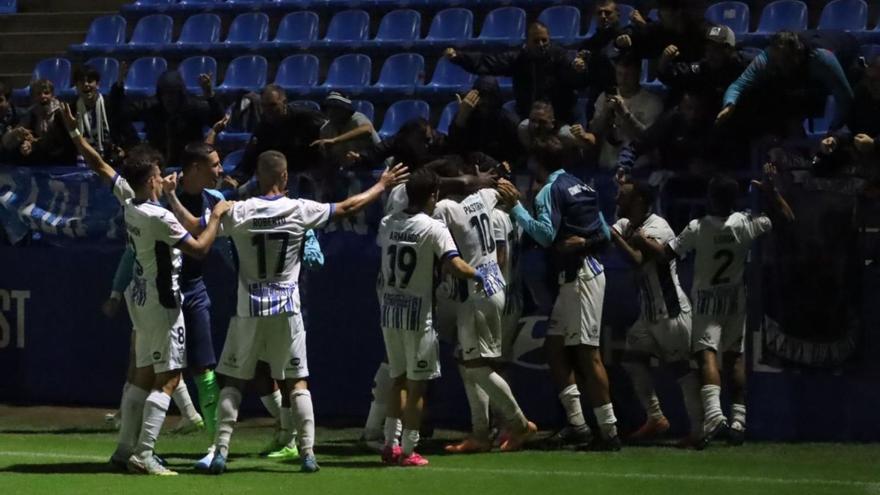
155, 408
499, 394
382, 385
690, 390
206, 383
478, 401
410, 441
392, 432
132, 416
304, 415
184, 402
288, 430
711, 395
122, 397
570, 397
738, 414
227, 415
607, 421
644, 388
272, 403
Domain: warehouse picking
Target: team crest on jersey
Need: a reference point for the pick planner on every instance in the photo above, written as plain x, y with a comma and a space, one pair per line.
157, 356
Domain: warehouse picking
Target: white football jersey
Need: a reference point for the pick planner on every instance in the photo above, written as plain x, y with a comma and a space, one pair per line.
660, 292
470, 223
508, 232
397, 200
153, 233
268, 234
410, 245
722, 247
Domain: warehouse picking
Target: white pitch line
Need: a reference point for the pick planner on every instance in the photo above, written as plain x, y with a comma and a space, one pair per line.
875, 485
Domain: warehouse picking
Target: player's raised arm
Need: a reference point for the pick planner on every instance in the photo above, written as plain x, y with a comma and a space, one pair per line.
390, 178
779, 207
90, 155
199, 248
192, 224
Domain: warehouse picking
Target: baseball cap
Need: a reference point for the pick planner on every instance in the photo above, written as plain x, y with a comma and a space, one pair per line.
722, 35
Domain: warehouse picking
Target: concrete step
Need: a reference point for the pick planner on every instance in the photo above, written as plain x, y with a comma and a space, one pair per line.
40, 41
24, 62
69, 5
48, 22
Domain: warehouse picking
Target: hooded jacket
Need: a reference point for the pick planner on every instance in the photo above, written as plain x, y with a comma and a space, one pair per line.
167, 130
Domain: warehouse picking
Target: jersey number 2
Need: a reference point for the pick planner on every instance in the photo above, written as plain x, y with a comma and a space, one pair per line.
403, 259
727, 257
260, 242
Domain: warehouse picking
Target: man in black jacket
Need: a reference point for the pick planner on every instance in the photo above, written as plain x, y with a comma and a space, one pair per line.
681, 27
172, 119
540, 71
289, 129
482, 124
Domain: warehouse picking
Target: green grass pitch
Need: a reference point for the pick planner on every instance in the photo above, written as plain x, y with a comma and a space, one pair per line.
61, 450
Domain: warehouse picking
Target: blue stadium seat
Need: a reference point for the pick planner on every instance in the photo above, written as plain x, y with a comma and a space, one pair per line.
191, 68
734, 15
298, 73
401, 74
151, 33
105, 34
109, 70
199, 32
448, 78
348, 28
401, 112
399, 29
365, 107
231, 161
349, 73
564, 22
653, 15
142, 76
505, 83
503, 26
200, 5
56, 70
297, 30
817, 127
846, 15
870, 52
247, 73
150, 5
782, 15
8, 6
625, 11
450, 27
248, 31
311, 104
447, 116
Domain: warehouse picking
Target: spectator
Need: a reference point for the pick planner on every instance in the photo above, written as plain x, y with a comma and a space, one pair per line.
542, 124
482, 124
721, 65
48, 142
540, 71
285, 128
10, 130
91, 114
344, 131
784, 84
681, 27
172, 118
414, 145
621, 118
865, 117
597, 51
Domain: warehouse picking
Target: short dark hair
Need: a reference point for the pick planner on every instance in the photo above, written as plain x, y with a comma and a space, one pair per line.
274, 88
41, 85
644, 191
138, 164
5, 90
420, 186
789, 42
195, 151
548, 152
446, 166
723, 192
86, 73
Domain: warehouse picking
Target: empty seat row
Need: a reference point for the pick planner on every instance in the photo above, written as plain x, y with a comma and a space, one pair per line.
791, 15
401, 74
158, 6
